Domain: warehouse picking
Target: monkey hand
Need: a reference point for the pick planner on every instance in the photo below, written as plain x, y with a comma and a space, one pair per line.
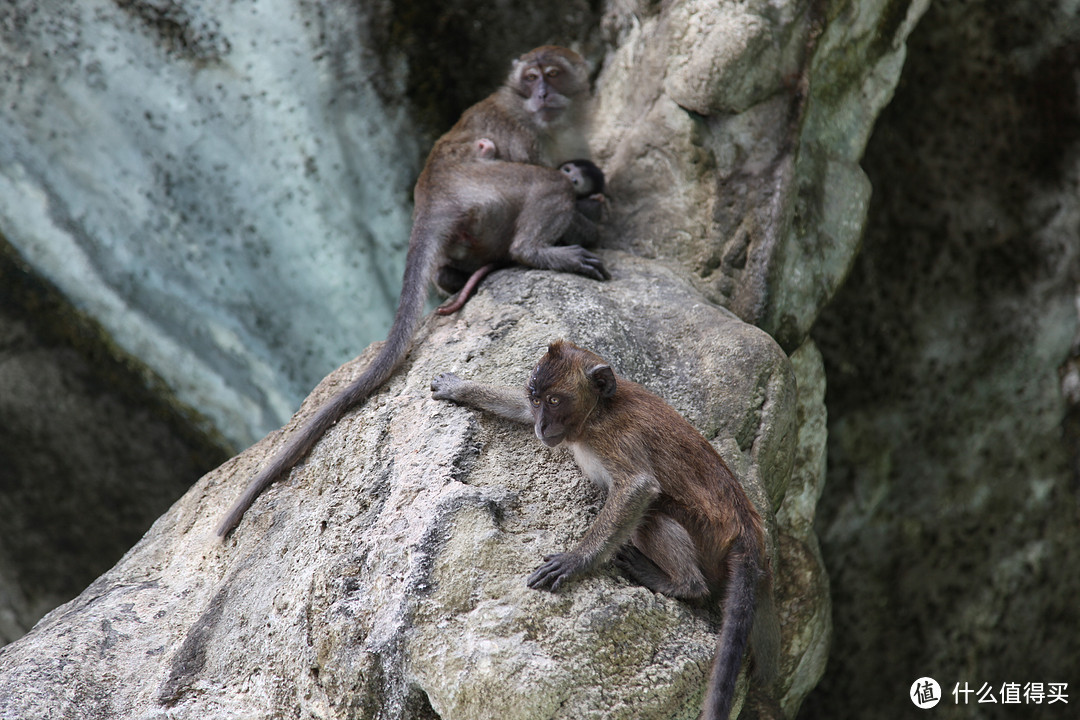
556, 569
444, 386
581, 261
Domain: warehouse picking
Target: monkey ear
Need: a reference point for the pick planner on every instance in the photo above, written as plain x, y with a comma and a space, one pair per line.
603, 379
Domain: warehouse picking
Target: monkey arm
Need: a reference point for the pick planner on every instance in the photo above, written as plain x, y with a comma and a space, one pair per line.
583, 229
506, 402
628, 499
565, 258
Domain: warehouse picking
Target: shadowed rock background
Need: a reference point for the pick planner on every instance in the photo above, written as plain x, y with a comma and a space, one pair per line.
203, 210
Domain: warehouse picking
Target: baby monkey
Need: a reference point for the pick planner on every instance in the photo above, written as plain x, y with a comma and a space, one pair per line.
584, 175
675, 518
588, 182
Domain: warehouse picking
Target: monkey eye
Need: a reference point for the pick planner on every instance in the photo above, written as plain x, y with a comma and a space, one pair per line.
535, 401
531, 76
552, 72
553, 399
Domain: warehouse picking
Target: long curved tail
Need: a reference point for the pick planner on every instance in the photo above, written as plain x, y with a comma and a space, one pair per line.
419, 269
739, 604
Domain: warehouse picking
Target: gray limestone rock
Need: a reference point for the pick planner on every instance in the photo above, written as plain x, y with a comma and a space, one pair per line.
732, 139
210, 182
385, 577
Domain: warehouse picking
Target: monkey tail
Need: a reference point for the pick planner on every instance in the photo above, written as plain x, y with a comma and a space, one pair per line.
765, 636
424, 252
738, 619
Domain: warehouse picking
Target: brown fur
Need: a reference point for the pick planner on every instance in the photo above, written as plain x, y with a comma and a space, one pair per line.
472, 211
675, 518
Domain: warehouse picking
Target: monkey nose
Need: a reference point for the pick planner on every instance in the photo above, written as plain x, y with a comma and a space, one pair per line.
544, 435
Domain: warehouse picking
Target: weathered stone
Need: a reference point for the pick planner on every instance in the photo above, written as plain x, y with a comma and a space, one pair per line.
222, 193
385, 577
211, 182
803, 584
732, 140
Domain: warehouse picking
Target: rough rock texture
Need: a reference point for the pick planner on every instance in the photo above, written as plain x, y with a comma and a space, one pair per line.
386, 577
75, 427
732, 139
802, 590
950, 523
219, 194
189, 174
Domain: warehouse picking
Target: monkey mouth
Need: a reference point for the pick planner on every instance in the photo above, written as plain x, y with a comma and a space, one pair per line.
549, 113
551, 440
546, 112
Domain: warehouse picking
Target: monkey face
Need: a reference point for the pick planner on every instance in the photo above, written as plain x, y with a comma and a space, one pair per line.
585, 176
564, 389
550, 411
573, 173
552, 399
549, 78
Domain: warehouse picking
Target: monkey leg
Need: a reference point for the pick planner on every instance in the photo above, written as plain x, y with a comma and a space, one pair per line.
450, 280
591, 208
455, 304
661, 556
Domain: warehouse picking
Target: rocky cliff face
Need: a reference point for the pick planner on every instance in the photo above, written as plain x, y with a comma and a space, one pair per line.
383, 578
386, 577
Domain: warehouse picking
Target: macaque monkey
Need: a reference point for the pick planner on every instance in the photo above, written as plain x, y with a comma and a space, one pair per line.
675, 518
588, 182
471, 212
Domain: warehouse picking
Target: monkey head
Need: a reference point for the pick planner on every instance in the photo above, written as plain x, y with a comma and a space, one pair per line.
566, 386
549, 78
585, 176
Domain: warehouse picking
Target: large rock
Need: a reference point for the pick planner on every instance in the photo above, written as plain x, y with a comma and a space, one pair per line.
385, 577
211, 183
732, 140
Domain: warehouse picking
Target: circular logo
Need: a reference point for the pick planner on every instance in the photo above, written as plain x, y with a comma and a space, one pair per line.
925, 693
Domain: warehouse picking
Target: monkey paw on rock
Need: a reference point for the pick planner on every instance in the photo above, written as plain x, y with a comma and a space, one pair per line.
445, 385
556, 569
576, 259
